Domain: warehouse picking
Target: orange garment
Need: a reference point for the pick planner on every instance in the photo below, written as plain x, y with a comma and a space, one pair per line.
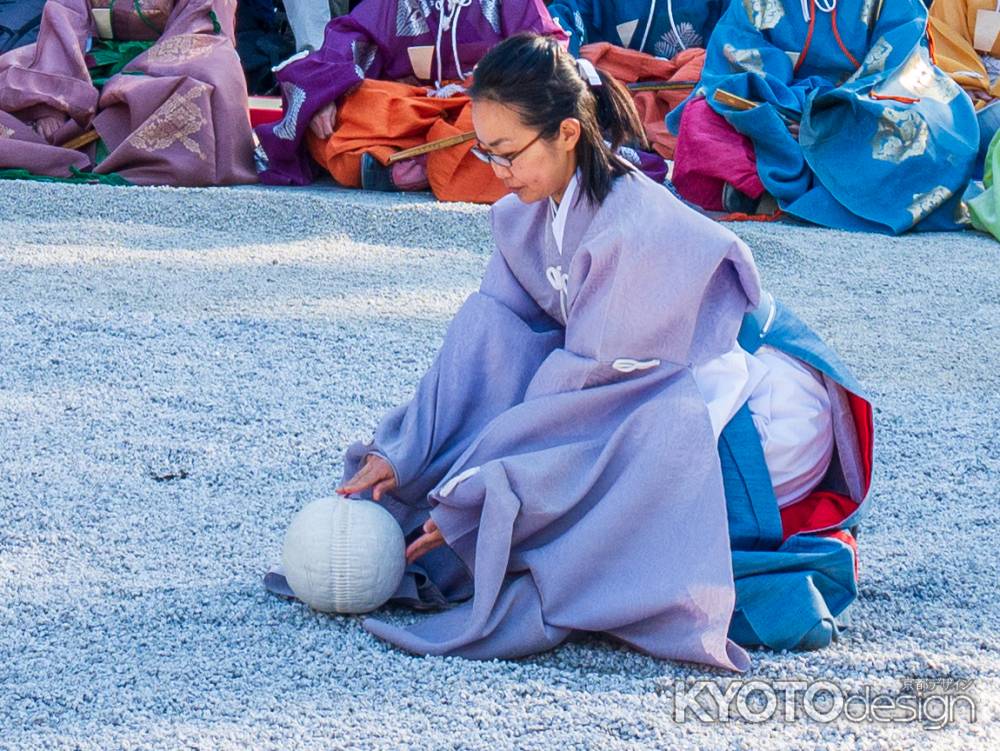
631, 66
952, 25
383, 117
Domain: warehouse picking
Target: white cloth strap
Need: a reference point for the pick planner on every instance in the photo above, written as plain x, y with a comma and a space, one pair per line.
588, 72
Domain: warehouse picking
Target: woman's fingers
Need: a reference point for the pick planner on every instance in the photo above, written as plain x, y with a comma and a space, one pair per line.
382, 487
375, 473
46, 127
424, 544
323, 121
320, 126
363, 479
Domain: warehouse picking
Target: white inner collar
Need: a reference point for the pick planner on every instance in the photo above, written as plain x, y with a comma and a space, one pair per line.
560, 212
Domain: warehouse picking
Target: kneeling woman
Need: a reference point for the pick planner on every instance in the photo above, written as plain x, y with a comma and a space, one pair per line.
621, 433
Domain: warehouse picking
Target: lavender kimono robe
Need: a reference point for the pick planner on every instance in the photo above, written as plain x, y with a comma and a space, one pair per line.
382, 39
570, 463
176, 115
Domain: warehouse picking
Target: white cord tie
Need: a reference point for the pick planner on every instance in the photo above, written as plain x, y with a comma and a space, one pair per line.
448, 13
588, 72
825, 6
628, 365
449, 486
560, 283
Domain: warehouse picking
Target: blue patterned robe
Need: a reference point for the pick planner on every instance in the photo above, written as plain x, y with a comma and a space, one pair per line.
887, 141
625, 22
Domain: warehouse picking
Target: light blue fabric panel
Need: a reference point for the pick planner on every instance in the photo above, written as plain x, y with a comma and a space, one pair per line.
791, 594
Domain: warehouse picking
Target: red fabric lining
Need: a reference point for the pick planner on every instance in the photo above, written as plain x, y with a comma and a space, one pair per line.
739, 216
901, 99
262, 110
825, 508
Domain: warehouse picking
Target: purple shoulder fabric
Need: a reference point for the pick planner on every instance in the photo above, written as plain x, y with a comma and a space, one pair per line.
571, 465
374, 41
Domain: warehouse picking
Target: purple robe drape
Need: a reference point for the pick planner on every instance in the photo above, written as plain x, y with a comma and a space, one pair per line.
176, 115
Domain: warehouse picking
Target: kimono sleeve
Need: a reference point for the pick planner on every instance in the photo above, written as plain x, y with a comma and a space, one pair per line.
741, 59
50, 78
490, 352
352, 51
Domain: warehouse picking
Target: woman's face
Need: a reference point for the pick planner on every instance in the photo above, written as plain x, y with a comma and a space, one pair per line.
540, 168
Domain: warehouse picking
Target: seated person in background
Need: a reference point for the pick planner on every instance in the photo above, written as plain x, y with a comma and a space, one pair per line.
839, 113
263, 40
152, 93
662, 28
967, 48
363, 95
19, 21
953, 25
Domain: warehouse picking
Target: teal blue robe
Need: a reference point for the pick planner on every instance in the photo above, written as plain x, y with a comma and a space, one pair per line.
887, 141
794, 593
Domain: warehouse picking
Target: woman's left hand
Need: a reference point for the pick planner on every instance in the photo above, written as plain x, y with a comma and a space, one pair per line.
432, 538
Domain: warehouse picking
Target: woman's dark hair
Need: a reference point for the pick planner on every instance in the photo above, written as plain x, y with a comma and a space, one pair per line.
538, 79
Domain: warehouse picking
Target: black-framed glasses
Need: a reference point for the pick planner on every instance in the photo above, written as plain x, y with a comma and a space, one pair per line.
502, 161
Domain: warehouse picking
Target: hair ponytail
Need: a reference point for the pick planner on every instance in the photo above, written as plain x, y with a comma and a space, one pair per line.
617, 116
538, 79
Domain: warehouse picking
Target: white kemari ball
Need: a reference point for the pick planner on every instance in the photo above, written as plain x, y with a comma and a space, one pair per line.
342, 555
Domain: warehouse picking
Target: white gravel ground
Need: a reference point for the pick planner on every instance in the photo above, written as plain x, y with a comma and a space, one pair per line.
182, 369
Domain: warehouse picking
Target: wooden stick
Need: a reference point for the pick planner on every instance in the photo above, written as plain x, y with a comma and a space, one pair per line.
83, 140
427, 148
731, 100
660, 86
739, 103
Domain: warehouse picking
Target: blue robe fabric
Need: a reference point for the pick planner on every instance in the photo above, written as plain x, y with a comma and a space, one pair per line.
792, 594
590, 21
863, 160
19, 23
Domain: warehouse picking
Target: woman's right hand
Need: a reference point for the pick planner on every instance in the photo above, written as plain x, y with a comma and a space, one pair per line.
324, 121
376, 474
